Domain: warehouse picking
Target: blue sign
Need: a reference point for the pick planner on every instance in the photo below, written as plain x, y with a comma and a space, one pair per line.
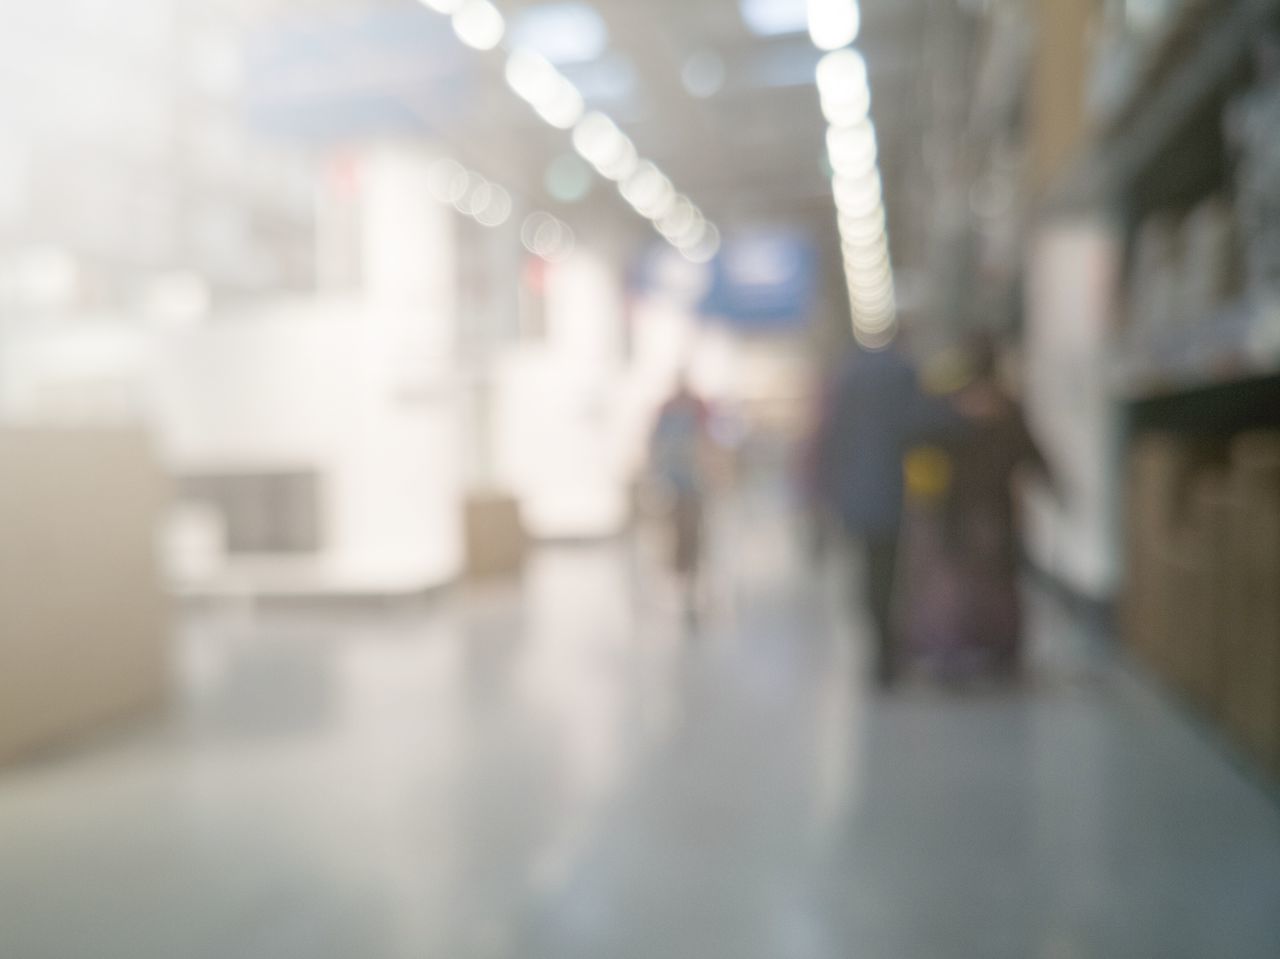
380, 72
764, 281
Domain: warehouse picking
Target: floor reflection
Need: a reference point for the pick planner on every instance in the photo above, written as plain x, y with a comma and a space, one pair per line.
557, 768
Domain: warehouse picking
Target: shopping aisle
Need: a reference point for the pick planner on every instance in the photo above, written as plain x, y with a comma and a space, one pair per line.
558, 772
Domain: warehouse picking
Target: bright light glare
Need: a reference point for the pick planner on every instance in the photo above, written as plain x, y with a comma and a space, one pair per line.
873, 256
692, 235
679, 219
479, 25
649, 191
870, 224
843, 89
855, 195
443, 6
596, 138
564, 109
867, 272
622, 162
852, 149
833, 23
545, 88
705, 250
531, 77
599, 141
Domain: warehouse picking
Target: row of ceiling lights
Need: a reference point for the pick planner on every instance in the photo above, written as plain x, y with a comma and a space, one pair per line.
490, 205
845, 95
596, 138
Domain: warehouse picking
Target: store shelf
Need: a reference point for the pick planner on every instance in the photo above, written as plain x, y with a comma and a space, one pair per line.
1245, 399
1160, 111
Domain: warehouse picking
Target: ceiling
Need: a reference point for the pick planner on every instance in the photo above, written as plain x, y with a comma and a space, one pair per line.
754, 150
750, 150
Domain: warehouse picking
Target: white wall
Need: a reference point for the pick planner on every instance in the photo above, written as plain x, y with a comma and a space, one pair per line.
1070, 306
558, 408
316, 388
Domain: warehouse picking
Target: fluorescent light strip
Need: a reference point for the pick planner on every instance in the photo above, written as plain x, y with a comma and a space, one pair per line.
834, 23
858, 194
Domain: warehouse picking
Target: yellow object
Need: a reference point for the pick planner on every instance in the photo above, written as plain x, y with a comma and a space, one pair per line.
928, 472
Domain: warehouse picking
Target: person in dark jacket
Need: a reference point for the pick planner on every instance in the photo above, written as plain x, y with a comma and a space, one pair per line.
874, 413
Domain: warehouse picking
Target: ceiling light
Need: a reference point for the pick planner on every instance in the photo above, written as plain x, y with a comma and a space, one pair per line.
676, 221
540, 84
879, 324
873, 341
693, 234
705, 250
864, 257
852, 148
596, 137
869, 297
478, 24
873, 217
647, 189
871, 304
853, 194
532, 78
865, 228
867, 273
842, 88
833, 23
444, 6
563, 109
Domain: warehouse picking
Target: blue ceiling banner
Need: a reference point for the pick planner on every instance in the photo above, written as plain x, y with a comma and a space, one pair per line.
764, 280
365, 73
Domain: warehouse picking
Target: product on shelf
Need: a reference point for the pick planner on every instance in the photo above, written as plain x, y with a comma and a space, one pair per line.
1210, 260
1154, 301
1253, 130
1187, 320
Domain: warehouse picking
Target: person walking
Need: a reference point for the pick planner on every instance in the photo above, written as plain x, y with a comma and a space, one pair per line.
874, 413
678, 456
988, 454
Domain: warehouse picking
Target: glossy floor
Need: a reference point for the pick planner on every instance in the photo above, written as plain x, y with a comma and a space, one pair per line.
556, 770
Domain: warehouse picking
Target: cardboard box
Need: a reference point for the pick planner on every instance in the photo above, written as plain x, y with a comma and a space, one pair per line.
1206, 616
496, 541
1161, 470
84, 624
1251, 691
